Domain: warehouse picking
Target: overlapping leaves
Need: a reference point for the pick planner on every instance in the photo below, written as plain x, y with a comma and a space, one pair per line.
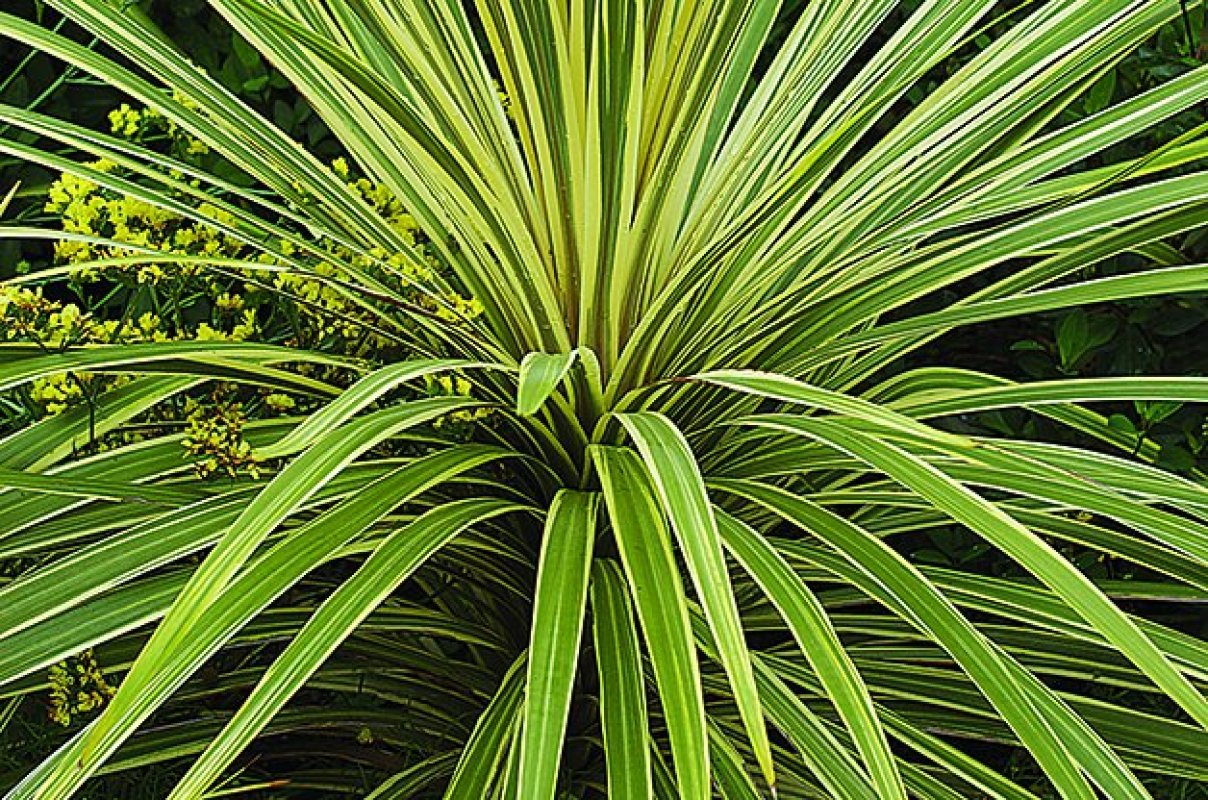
670, 569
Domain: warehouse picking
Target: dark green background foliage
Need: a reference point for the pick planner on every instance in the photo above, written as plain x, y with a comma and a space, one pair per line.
1166, 335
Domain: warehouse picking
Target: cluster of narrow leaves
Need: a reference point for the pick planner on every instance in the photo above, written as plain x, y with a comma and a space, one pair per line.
671, 568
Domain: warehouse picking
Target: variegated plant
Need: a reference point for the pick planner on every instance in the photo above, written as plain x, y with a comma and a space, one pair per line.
668, 568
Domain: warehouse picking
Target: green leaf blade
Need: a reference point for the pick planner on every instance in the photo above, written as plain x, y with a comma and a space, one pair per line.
681, 488
559, 606
622, 685
645, 548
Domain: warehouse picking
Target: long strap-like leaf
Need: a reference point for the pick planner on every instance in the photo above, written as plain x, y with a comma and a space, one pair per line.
394, 560
558, 610
622, 685
644, 543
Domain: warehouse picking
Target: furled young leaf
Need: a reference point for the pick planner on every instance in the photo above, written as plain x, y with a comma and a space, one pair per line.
540, 374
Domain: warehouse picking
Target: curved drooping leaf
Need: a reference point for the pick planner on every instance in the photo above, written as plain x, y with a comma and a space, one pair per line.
237, 361
391, 563
645, 547
1021, 544
1028, 707
812, 630
487, 744
264, 580
681, 489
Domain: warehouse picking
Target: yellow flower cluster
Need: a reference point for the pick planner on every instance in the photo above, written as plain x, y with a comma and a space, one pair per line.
325, 314
125, 121
243, 330
56, 393
449, 386
24, 312
27, 315
279, 403
77, 686
134, 124
457, 308
215, 432
90, 211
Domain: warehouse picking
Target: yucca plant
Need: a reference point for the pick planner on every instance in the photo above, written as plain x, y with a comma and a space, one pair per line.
669, 567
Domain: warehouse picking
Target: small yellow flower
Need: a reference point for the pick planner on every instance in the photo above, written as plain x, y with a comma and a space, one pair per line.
215, 432
124, 121
205, 333
196, 147
246, 329
228, 303
77, 686
151, 273
279, 402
